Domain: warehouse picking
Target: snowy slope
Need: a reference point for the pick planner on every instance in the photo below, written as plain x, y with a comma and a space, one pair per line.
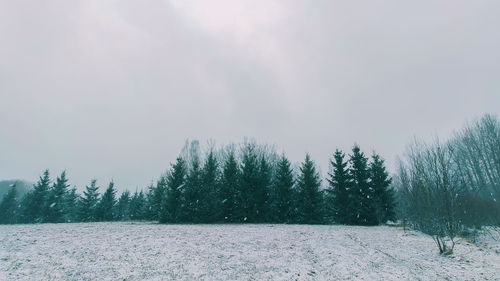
142, 251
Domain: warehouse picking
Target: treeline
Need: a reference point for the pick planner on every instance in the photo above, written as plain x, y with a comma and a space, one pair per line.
55, 202
248, 184
448, 188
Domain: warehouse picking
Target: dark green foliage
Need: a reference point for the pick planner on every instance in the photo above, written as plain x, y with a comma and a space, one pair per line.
383, 194
228, 195
123, 205
311, 199
34, 201
262, 190
9, 207
171, 211
337, 194
210, 179
70, 209
283, 192
106, 206
55, 202
258, 186
137, 207
362, 196
155, 198
246, 206
88, 203
193, 194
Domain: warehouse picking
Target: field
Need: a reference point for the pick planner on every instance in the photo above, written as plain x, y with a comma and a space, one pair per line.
147, 251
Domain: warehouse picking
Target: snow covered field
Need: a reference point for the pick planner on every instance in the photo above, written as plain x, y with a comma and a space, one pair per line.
146, 251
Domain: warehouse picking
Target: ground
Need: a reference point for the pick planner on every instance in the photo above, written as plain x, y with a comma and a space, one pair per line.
148, 251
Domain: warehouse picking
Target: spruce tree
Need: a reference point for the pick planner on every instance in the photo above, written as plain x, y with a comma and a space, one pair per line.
228, 194
262, 189
70, 209
123, 206
340, 184
362, 197
210, 207
106, 205
247, 201
311, 198
88, 203
9, 207
55, 202
192, 194
383, 194
156, 198
137, 206
34, 201
282, 202
171, 211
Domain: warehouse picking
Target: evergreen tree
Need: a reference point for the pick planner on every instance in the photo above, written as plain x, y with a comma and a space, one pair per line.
149, 202
262, 189
228, 195
70, 209
9, 207
106, 206
282, 203
192, 195
383, 194
88, 203
171, 211
246, 210
362, 197
34, 201
55, 202
137, 206
340, 184
308, 184
123, 206
156, 197
209, 203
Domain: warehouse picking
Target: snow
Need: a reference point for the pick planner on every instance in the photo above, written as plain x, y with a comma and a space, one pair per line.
148, 251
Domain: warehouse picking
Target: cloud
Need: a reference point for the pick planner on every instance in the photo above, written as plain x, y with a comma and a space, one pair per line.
111, 89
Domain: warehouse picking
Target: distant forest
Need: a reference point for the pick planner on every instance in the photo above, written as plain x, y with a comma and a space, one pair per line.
443, 188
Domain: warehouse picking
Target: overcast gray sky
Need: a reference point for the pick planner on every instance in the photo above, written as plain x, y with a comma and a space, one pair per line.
112, 89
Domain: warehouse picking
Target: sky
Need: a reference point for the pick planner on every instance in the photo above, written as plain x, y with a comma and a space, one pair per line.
111, 89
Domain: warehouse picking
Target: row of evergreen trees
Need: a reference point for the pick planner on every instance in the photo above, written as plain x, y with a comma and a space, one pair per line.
253, 184
56, 203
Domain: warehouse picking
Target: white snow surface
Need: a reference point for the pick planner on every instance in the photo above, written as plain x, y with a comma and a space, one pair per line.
149, 251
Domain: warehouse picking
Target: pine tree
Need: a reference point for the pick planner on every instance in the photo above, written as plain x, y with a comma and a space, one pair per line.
340, 184
137, 206
308, 184
123, 206
262, 189
55, 202
192, 195
88, 203
247, 201
361, 196
106, 206
209, 203
70, 209
155, 198
383, 194
9, 207
34, 201
228, 194
282, 203
171, 211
